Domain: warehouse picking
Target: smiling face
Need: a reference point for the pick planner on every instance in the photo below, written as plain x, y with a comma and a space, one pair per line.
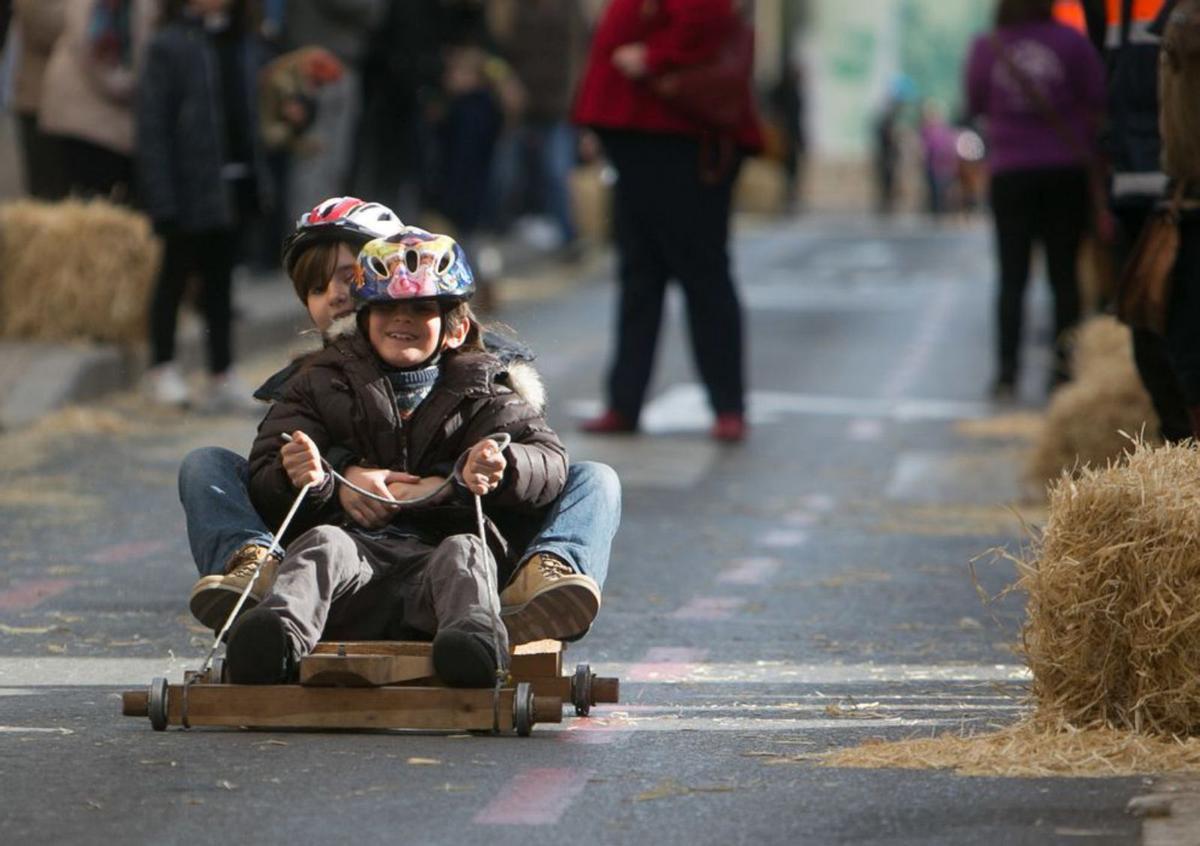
405, 333
331, 301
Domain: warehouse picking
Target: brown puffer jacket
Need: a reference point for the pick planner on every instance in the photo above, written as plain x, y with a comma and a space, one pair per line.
342, 397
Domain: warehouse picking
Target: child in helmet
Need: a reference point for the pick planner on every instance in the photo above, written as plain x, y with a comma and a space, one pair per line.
228, 538
555, 590
406, 386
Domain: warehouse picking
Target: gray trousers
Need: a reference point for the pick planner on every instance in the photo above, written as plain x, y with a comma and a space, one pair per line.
335, 584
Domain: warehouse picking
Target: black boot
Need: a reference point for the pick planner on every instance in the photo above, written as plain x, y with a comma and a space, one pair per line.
464, 659
259, 649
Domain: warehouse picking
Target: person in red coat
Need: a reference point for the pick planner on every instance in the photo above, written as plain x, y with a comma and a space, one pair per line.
672, 200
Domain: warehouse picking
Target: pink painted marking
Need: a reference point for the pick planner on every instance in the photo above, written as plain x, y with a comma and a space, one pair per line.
127, 551
783, 538
749, 571
24, 595
667, 664
534, 797
709, 608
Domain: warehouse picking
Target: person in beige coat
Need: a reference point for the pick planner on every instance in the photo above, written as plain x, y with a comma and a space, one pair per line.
38, 24
87, 93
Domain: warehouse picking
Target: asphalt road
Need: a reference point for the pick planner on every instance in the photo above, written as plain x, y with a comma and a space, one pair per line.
807, 590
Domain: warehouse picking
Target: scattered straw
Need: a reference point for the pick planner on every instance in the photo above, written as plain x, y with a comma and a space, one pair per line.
1086, 417
1017, 426
75, 270
1028, 750
1111, 638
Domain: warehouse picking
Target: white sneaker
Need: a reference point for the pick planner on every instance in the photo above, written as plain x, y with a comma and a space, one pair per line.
165, 385
227, 394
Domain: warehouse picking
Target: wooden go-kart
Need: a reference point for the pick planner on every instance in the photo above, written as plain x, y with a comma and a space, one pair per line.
378, 685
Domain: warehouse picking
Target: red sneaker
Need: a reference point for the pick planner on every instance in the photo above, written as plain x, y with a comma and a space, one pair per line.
609, 423
730, 427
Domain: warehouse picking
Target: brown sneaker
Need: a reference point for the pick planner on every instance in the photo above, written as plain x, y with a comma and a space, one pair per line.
213, 597
548, 600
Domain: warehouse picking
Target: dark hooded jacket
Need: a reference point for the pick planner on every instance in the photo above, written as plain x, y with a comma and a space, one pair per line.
341, 397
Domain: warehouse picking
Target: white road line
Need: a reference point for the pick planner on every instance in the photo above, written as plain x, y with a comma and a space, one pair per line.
58, 672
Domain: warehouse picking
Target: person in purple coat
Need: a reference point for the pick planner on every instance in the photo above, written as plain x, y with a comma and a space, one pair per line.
1037, 87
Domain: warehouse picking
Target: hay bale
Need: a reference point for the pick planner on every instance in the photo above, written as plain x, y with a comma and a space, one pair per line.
1086, 418
75, 271
1112, 634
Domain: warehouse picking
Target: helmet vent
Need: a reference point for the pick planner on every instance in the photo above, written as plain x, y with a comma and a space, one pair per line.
445, 261
412, 261
377, 266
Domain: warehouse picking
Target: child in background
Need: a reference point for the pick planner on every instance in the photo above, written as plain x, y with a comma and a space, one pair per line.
408, 388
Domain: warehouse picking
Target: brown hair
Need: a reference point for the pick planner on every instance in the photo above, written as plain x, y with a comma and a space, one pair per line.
313, 267
1013, 12
453, 318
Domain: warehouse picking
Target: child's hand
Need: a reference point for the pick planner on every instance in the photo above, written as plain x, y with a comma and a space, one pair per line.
484, 468
302, 461
367, 512
404, 490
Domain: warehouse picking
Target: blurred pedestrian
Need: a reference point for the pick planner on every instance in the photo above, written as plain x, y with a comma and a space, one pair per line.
344, 28
1130, 47
788, 106
88, 92
1039, 88
38, 24
401, 80
938, 145
202, 174
673, 192
886, 132
544, 43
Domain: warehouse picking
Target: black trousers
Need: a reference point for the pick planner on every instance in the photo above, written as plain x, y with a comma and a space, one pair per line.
672, 224
1047, 206
210, 255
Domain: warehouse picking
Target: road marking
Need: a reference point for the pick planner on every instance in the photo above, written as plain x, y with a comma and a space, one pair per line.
684, 408
34, 730
665, 663
25, 595
783, 538
662, 665
749, 571
534, 797
864, 429
134, 550
709, 608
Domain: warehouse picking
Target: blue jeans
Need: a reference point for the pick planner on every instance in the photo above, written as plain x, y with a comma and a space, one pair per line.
221, 520
213, 487
583, 520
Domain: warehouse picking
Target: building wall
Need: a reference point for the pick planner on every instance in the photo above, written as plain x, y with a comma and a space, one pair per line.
855, 52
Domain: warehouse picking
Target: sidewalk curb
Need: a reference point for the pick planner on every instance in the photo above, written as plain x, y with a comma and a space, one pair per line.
40, 377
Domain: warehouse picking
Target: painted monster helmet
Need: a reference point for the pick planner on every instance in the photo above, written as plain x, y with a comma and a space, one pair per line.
413, 265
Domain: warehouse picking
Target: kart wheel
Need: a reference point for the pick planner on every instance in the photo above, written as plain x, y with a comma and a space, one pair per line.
581, 689
523, 709
156, 704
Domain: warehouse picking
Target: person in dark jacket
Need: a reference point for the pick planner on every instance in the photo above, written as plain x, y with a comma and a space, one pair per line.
202, 174
672, 202
409, 388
